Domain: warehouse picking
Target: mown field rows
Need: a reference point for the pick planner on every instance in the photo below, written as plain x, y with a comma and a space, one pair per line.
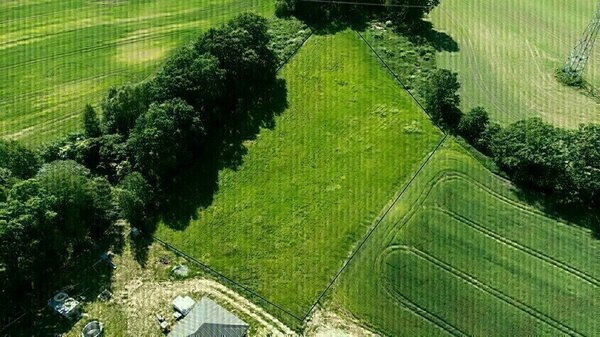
56, 57
509, 51
308, 189
461, 255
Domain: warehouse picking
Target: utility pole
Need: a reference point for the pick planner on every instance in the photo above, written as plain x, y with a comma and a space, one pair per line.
575, 65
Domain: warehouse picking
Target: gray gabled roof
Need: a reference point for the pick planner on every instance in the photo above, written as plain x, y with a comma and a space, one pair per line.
208, 319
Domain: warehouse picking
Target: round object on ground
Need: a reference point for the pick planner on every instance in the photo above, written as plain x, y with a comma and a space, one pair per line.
93, 329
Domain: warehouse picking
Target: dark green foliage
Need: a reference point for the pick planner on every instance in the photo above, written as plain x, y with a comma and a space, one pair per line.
122, 107
409, 11
113, 157
535, 153
25, 220
135, 197
195, 78
83, 204
485, 141
91, 123
22, 162
165, 137
473, 124
584, 167
48, 220
442, 100
242, 48
7, 180
402, 12
285, 8
565, 164
105, 155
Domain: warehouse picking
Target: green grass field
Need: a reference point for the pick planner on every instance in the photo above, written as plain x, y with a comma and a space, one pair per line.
509, 51
461, 255
309, 188
56, 56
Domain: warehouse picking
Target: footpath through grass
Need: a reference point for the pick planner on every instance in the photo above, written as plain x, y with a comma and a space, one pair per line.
309, 188
57, 56
509, 51
460, 254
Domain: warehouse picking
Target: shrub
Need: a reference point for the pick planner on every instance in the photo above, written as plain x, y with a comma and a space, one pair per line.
442, 100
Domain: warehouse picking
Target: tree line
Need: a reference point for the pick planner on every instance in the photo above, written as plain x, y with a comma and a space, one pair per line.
561, 164
404, 13
57, 202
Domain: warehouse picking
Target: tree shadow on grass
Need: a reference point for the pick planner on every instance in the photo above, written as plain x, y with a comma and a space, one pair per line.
423, 32
575, 215
195, 186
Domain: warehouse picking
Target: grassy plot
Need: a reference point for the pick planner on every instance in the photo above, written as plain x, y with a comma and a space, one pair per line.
308, 189
461, 255
57, 56
509, 51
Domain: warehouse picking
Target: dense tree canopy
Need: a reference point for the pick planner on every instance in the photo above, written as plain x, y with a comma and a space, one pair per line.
165, 137
135, 198
122, 106
193, 77
47, 220
442, 100
21, 161
242, 49
473, 124
402, 12
91, 123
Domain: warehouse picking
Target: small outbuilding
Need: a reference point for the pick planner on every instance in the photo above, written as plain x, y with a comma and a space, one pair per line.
208, 319
183, 304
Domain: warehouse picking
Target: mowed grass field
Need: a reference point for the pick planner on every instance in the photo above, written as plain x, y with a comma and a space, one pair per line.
509, 51
460, 255
309, 188
57, 56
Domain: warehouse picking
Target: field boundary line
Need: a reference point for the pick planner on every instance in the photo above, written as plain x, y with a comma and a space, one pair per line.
222, 276
404, 86
543, 317
214, 271
289, 58
376, 225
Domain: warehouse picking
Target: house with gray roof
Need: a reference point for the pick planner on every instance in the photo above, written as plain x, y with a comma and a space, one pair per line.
208, 319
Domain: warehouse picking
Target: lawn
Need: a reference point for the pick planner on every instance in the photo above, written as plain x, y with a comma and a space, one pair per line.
310, 187
509, 51
56, 56
460, 254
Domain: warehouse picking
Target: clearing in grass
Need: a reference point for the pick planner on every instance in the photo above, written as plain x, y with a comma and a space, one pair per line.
61, 55
308, 189
460, 250
509, 52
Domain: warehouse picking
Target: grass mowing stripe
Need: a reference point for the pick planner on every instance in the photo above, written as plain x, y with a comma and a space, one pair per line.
544, 257
555, 292
509, 51
425, 314
490, 290
99, 39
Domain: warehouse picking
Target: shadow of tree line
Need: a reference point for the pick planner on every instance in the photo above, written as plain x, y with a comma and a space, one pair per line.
194, 186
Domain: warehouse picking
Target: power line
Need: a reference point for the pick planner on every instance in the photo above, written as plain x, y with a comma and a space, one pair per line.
380, 4
580, 55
